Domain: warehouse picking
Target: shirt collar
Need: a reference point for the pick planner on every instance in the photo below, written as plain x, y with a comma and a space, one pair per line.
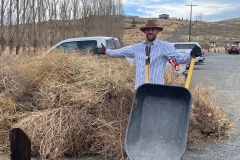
145, 42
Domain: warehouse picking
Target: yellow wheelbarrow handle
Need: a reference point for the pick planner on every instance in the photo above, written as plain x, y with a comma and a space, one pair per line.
147, 72
147, 61
190, 71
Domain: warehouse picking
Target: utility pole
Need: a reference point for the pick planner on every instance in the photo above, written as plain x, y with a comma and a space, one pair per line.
201, 17
190, 24
198, 18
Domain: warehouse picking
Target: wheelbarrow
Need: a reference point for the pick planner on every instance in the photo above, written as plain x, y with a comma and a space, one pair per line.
159, 120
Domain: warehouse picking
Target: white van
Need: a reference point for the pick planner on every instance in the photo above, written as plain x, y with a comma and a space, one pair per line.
86, 43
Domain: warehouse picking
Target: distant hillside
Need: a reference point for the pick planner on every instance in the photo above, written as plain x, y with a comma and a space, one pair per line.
231, 20
221, 32
133, 34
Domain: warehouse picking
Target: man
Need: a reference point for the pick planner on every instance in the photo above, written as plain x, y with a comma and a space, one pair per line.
160, 52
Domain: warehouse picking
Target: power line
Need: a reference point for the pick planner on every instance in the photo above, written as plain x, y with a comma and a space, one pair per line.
190, 24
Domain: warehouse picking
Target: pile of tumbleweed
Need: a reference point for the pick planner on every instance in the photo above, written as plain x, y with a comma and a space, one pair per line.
78, 104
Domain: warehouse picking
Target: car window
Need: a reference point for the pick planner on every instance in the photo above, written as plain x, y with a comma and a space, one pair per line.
87, 44
184, 46
68, 46
112, 44
71, 46
234, 46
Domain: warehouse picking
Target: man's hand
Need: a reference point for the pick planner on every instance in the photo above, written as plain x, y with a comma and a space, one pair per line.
97, 50
196, 51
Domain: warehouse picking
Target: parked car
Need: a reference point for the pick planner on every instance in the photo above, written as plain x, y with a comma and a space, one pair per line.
186, 47
233, 49
72, 44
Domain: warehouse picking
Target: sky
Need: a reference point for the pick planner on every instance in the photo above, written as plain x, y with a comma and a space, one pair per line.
205, 10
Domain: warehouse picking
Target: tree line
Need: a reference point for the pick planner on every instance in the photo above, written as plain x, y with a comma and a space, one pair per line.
31, 24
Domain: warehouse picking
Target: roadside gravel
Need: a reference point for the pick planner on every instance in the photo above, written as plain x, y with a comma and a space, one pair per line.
221, 71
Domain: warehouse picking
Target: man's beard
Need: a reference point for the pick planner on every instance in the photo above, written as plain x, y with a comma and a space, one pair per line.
152, 38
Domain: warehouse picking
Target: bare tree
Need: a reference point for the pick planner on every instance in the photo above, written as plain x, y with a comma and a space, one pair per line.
11, 29
23, 39
17, 27
36, 23
3, 42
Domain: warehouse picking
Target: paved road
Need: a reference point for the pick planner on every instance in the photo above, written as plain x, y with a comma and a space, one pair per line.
179, 34
221, 71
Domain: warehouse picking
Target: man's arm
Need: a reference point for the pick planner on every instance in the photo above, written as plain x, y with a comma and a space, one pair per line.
170, 51
122, 52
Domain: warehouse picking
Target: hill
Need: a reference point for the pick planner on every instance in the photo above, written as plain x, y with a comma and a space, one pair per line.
132, 33
220, 32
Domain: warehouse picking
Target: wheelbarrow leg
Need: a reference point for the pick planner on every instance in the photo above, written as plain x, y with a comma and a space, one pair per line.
20, 145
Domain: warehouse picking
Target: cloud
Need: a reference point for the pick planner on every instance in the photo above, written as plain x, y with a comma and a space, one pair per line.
209, 10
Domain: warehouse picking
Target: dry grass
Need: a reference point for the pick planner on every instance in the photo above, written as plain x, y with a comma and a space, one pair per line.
222, 32
58, 93
79, 104
208, 122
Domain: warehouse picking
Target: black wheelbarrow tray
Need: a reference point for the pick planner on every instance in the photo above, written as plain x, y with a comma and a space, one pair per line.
158, 123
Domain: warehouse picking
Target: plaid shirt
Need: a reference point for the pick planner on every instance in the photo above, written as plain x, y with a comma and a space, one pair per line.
159, 54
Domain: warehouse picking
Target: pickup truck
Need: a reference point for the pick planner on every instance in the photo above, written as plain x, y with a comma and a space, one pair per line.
186, 47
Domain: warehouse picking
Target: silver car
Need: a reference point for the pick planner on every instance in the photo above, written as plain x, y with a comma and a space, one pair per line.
86, 43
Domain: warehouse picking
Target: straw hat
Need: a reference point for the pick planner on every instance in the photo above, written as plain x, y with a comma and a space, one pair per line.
151, 24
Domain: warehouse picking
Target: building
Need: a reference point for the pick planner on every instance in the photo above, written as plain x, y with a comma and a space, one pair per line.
213, 44
164, 16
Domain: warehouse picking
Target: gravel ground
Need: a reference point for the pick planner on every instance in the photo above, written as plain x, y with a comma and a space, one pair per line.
220, 71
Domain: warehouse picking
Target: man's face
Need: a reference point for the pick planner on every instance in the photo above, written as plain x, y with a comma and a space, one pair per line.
151, 34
